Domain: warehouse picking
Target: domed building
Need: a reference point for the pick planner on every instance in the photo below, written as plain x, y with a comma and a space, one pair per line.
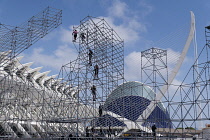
126, 104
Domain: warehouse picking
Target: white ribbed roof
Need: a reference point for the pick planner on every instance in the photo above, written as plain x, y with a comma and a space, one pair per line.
24, 71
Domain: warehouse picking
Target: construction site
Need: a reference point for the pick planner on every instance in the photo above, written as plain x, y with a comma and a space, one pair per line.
90, 98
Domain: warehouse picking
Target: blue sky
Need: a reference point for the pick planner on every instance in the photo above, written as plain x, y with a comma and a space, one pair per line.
138, 22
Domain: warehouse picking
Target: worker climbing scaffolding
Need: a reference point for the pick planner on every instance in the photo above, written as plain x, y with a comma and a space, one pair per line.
75, 35
100, 111
93, 90
90, 54
96, 69
82, 35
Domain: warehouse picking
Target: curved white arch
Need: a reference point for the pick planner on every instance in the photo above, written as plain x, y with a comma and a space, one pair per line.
164, 88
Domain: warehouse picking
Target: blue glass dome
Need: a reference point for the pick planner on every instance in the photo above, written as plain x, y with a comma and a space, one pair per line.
130, 99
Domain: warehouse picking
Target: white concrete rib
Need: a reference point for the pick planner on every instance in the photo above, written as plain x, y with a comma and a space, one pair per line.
21, 71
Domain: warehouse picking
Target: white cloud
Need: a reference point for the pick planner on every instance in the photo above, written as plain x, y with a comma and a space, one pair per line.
127, 33
133, 66
118, 9
147, 9
51, 35
127, 22
66, 35
62, 55
172, 56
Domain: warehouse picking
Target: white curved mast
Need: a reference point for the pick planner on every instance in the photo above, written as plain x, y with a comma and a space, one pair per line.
173, 74
199, 105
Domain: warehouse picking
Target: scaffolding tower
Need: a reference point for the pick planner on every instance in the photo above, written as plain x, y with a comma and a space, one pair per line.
154, 71
99, 47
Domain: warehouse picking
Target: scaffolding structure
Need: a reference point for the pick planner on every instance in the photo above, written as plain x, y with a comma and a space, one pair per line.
98, 45
191, 110
193, 107
23, 103
154, 68
154, 73
188, 106
16, 39
90, 97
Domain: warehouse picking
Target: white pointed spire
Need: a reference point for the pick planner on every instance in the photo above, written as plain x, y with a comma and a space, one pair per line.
55, 83
21, 69
48, 80
39, 77
9, 68
31, 73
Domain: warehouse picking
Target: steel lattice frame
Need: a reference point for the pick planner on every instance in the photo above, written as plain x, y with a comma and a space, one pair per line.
108, 54
154, 68
63, 106
193, 108
24, 104
154, 73
17, 39
189, 104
